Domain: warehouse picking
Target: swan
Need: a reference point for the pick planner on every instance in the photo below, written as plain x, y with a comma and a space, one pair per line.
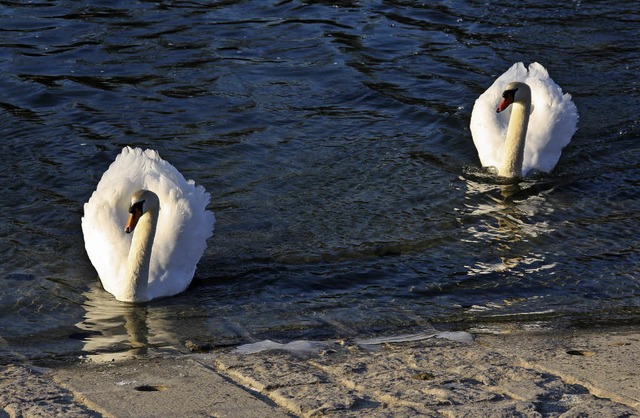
145, 227
531, 136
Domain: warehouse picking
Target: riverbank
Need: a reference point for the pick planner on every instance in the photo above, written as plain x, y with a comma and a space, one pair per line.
548, 374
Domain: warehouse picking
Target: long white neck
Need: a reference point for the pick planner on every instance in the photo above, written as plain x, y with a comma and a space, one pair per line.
514, 145
139, 258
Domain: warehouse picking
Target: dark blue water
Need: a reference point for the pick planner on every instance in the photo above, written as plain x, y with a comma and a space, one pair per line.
333, 137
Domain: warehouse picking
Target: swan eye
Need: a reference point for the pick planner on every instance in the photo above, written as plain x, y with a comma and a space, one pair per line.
136, 207
508, 94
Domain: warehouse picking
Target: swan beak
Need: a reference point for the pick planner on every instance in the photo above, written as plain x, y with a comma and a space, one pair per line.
133, 221
508, 98
506, 101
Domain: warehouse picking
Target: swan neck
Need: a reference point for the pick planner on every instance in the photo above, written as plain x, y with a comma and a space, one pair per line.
514, 144
139, 259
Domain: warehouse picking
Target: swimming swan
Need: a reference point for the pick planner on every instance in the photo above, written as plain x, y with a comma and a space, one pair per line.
153, 254
541, 122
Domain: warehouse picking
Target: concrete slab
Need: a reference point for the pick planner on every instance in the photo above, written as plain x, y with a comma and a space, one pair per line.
432, 377
606, 363
161, 387
30, 392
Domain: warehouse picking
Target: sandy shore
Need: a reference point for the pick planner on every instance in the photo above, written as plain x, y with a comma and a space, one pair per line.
543, 374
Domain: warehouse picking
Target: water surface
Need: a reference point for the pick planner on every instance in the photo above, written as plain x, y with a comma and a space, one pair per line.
333, 138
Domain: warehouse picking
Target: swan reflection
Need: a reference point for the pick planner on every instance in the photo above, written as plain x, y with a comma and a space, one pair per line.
508, 225
118, 331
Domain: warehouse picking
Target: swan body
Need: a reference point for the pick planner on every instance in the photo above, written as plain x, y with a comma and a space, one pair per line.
156, 253
529, 134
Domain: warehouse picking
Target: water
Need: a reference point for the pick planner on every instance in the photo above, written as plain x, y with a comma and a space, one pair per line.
333, 138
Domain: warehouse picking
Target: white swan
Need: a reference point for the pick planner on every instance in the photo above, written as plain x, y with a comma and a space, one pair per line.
159, 258
530, 137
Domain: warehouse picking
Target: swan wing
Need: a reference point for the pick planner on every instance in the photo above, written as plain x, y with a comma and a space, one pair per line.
105, 215
184, 225
552, 123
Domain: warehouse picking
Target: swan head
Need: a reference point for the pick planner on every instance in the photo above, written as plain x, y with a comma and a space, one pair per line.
142, 202
515, 92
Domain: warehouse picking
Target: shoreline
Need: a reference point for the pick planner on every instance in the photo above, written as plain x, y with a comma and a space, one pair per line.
543, 373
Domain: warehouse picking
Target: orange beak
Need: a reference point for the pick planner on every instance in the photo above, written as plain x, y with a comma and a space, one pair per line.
133, 220
508, 97
506, 101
